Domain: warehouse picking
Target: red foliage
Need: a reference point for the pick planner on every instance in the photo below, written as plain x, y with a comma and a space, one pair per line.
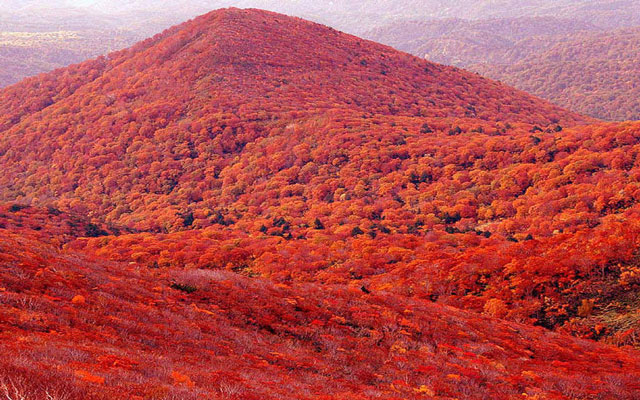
142, 332
263, 205
135, 137
597, 75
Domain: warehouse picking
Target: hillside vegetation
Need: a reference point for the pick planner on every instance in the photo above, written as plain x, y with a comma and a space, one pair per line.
254, 206
598, 76
93, 329
24, 54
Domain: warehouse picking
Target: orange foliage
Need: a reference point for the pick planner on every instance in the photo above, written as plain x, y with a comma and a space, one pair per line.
181, 379
596, 75
262, 217
328, 341
87, 376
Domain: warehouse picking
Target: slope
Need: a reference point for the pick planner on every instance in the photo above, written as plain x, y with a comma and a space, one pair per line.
597, 76
495, 41
313, 186
184, 104
73, 327
532, 226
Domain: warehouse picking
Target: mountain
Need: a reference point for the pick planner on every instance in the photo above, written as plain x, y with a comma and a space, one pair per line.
597, 76
194, 97
495, 41
102, 26
24, 54
250, 205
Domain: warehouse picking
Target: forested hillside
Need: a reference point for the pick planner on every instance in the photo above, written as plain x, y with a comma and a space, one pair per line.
254, 206
466, 43
598, 76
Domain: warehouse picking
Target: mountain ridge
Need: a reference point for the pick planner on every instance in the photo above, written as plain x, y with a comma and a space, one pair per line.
595, 75
463, 42
166, 79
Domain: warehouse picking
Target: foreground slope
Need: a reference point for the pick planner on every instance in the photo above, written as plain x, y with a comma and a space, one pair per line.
73, 327
597, 76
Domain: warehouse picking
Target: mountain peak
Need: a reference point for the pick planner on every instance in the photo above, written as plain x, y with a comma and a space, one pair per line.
223, 81
249, 60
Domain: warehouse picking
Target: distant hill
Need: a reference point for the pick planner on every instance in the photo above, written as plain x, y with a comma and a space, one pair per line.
360, 16
36, 39
575, 64
463, 43
598, 76
24, 54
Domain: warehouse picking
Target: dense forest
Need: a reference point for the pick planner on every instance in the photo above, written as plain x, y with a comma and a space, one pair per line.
598, 76
250, 205
526, 45
573, 63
